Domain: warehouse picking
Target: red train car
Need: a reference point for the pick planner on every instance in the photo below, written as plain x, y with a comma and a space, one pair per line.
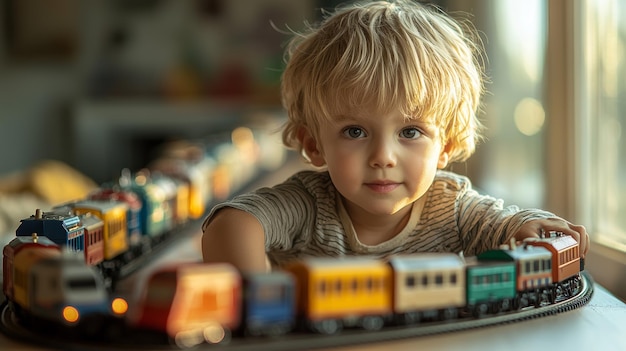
565, 254
94, 239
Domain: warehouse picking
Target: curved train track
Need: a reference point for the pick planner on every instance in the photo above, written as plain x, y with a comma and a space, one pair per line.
125, 341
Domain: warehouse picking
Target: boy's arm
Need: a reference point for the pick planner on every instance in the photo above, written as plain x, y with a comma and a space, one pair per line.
235, 237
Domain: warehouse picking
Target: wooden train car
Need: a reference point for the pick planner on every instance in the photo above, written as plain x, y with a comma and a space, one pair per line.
189, 172
533, 277
94, 239
333, 293
268, 304
490, 286
429, 285
113, 216
48, 283
16, 245
156, 217
133, 221
191, 303
566, 261
176, 195
63, 228
565, 254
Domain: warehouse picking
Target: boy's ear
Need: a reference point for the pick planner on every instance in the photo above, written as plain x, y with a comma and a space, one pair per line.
309, 145
444, 157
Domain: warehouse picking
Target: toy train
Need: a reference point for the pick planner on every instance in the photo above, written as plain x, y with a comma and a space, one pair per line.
82, 246
194, 302
124, 220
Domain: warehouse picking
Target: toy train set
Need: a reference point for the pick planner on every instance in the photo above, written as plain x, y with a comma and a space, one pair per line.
60, 270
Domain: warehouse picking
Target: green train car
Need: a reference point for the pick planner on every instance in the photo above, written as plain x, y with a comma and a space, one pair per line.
490, 286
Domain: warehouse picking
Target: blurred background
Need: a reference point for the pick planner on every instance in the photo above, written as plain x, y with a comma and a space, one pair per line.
98, 85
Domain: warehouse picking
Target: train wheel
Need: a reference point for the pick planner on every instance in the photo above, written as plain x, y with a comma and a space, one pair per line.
448, 314
505, 305
216, 334
408, 318
188, 338
372, 322
327, 326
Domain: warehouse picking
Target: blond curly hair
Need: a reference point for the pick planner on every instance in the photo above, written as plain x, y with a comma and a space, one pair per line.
385, 55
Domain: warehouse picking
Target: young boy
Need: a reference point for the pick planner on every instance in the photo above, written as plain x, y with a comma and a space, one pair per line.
381, 97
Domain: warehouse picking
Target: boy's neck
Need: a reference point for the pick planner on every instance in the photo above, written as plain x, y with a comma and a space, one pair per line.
374, 230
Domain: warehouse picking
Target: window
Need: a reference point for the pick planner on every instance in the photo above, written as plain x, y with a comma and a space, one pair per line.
603, 90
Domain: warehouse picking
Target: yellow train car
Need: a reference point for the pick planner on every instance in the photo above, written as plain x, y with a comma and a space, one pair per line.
333, 293
24, 293
115, 231
195, 175
428, 285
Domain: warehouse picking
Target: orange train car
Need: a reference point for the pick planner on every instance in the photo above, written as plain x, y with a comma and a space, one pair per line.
565, 254
191, 303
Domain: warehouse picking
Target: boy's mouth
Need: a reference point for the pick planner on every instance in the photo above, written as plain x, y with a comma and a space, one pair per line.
382, 186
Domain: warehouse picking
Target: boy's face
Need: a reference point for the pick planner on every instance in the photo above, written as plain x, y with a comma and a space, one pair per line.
379, 163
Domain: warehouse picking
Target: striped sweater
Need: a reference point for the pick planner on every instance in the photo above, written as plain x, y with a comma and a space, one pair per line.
304, 216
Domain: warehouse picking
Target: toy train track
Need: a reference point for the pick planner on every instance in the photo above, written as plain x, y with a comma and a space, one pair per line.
293, 341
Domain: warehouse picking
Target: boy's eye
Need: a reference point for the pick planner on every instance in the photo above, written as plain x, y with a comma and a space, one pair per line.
354, 132
410, 133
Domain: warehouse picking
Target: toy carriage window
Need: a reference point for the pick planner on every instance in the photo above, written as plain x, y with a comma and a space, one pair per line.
536, 266
338, 286
439, 279
506, 277
87, 283
548, 264
496, 278
322, 287
424, 280
453, 278
527, 269
410, 281
354, 285
269, 293
369, 284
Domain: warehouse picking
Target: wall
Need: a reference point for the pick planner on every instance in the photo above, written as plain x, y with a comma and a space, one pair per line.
60, 59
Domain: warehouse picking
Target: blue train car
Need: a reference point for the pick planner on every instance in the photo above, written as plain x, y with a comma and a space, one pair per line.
64, 229
269, 303
156, 218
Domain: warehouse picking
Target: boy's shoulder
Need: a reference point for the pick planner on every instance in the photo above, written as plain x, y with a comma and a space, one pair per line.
452, 181
311, 178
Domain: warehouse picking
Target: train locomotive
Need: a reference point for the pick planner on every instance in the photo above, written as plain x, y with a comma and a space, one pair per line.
46, 284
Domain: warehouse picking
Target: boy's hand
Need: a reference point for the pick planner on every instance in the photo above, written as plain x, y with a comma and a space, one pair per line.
532, 229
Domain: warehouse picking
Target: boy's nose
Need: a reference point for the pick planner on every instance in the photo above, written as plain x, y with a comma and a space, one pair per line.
382, 155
